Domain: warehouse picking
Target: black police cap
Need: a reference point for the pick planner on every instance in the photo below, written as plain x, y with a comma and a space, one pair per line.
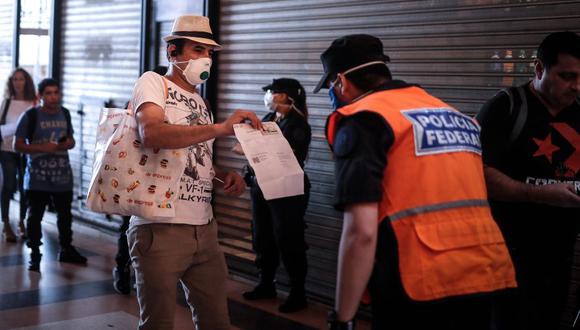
291, 87
348, 52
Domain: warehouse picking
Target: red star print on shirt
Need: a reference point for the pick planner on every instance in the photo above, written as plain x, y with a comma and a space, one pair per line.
545, 147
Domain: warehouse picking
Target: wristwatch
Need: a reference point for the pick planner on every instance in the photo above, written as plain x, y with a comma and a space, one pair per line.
335, 324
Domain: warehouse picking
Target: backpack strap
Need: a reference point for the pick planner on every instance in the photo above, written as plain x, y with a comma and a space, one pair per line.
31, 116
5, 107
69, 131
518, 110
521, 116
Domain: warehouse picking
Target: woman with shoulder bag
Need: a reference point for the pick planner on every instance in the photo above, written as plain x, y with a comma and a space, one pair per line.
19, 95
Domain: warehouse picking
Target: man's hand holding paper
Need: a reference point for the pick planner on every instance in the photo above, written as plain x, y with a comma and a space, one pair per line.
277, 170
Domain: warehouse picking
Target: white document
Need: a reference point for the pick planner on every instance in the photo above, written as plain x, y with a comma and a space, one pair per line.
277, 170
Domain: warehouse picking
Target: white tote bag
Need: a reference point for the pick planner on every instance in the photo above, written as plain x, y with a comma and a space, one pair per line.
128, 179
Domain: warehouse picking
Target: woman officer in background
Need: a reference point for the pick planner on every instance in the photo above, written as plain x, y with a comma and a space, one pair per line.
278, 225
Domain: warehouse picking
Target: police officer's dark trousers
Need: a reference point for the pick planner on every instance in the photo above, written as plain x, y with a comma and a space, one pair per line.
278, 233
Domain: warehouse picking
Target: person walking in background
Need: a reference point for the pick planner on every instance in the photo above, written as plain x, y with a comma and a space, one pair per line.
417, 228
45, 134
278, 225
19, 95
531, 152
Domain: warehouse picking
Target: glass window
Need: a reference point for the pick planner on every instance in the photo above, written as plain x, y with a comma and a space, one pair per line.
34, 50
6, 31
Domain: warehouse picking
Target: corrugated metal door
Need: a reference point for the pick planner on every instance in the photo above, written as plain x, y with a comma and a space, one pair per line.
100, 62
6, 36
460, 50
164, 30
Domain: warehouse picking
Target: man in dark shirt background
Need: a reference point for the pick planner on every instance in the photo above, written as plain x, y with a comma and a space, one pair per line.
533, 182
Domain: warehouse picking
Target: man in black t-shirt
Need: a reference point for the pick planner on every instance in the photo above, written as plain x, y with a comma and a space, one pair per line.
533, 182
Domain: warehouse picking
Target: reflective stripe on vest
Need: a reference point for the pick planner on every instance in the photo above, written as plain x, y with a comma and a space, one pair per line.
435, 197
437, 207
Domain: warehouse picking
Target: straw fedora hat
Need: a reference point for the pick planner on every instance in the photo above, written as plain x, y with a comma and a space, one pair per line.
195, 28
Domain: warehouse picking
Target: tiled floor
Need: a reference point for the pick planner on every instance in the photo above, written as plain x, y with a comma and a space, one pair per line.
65, 296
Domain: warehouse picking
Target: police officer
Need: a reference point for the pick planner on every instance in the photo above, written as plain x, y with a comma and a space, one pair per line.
417, 229
278, 225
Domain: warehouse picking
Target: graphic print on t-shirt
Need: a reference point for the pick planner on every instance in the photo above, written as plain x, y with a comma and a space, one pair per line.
568, 164
196, 182
47, 171
555, 157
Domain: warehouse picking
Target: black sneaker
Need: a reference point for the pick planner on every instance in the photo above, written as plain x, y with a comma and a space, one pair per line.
122, 280
262, 291
71, 255
294, 303
34, 262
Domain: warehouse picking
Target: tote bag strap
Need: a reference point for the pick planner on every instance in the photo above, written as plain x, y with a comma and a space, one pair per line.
130, 104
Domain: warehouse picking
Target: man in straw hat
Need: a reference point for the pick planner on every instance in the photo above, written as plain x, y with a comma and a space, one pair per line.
417, 228
172, 115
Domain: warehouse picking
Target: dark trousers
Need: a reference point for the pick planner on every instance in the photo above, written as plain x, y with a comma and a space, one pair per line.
543, 274
13, 173
122, 257
278, 233
461, 313
393, 309
38, 200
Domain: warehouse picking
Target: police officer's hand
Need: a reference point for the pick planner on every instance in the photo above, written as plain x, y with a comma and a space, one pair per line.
240, 116
234, 184
559, 194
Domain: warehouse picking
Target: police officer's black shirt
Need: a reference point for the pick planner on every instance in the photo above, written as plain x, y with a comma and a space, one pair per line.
360, 149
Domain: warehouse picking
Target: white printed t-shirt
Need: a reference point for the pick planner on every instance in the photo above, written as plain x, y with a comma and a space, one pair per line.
181, 107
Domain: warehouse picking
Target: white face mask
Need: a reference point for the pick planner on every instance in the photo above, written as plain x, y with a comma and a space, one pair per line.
269, 101
272, 106
197, 71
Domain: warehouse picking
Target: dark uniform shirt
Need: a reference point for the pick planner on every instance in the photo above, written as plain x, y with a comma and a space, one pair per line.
361, 145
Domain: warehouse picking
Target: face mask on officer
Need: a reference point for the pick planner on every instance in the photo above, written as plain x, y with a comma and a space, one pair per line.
197, 71
335, 101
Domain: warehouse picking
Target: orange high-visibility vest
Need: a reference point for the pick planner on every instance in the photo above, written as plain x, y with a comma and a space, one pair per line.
435, 197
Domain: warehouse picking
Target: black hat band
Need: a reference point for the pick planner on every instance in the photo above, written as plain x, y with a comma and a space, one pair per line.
205, 35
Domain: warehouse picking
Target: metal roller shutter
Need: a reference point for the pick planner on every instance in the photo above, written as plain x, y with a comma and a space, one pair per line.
100, 62
462, 51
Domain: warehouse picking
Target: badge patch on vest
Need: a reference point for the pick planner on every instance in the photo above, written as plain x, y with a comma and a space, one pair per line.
441, 130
